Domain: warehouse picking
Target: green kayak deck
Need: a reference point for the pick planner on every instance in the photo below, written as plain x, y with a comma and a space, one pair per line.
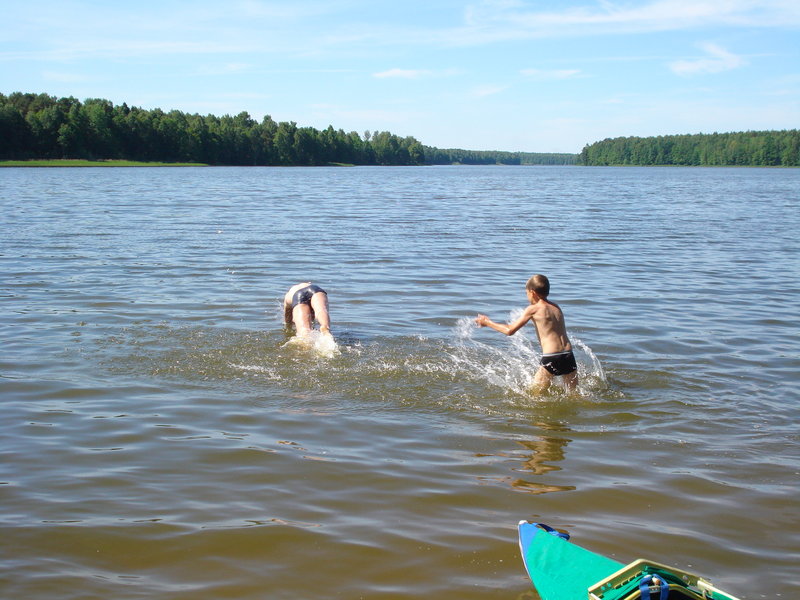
561, 570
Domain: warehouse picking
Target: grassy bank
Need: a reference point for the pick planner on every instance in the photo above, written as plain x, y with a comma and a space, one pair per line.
68, 162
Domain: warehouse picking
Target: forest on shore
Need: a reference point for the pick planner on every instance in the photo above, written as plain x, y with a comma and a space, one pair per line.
39, 126
43, 127
451, 156
742, 149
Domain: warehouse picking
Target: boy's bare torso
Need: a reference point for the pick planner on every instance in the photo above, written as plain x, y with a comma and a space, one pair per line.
550, 326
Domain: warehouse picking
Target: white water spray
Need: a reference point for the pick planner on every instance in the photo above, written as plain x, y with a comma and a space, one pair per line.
321, 344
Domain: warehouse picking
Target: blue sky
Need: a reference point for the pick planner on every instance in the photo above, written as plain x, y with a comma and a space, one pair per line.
512, 75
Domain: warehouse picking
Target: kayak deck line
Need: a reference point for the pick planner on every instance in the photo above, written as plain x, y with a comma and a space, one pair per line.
561, 570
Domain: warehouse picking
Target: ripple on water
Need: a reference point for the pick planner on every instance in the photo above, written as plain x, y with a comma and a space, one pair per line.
161, 439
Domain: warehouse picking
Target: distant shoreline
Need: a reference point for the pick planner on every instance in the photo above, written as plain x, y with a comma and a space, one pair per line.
77, 162
38, 125
69, 162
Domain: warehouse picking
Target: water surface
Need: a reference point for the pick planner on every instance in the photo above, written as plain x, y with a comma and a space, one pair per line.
161, 439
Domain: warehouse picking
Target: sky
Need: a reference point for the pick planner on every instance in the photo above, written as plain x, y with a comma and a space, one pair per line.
514, 75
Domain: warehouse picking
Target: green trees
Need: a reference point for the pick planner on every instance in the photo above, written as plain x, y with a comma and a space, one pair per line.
14, 134
41, 126
750, 148
438, 156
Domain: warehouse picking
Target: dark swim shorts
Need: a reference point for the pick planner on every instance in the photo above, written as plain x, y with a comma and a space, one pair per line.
303, 295
560, 363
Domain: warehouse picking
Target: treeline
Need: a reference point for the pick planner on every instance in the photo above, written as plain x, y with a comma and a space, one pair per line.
436, 156
38, 126
750, 148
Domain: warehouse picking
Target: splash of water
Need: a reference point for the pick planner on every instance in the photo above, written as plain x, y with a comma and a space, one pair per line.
505, 368
464, 369
593, 369
321, 344
513, 366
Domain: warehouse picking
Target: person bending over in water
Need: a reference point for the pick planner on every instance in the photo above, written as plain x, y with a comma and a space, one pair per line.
557, 357
302, 304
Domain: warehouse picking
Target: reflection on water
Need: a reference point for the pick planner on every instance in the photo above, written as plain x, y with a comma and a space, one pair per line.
544, 452
539, 458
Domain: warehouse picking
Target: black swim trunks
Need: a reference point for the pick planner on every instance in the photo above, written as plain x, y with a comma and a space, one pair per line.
559, 363
303, 295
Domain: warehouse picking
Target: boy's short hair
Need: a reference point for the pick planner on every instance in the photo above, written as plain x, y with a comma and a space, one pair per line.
539, 284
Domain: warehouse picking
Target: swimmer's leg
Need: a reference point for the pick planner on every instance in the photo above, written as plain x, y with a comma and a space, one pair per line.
542, 380
571, 381
301, 317
319, 303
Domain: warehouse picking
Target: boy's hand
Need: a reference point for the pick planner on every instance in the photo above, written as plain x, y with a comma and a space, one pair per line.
481, 320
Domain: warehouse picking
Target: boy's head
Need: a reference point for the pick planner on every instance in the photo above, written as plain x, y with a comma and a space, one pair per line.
538, 284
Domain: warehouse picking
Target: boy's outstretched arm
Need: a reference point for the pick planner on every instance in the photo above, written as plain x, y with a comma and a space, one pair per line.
506, 328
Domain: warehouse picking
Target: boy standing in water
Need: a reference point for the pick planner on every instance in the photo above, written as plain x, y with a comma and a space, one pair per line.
557, 357
302, 304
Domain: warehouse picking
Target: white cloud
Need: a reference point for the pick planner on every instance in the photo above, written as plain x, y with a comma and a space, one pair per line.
224, 69
551, 74
717, 60
487, 90
415, 73
283, 11
401, 74
62, 77
786, 86
493, 21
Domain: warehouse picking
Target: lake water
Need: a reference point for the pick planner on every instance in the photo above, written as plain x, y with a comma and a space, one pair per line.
161, 439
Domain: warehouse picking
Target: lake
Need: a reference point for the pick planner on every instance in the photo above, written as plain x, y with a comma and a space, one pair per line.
163, 437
